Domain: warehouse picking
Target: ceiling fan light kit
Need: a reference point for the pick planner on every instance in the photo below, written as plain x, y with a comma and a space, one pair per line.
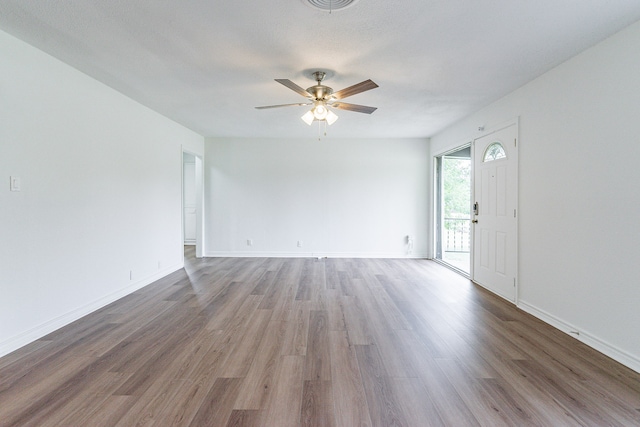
323, 98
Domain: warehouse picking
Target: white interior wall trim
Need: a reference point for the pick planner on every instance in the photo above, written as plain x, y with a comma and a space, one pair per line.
379, 255
627, 359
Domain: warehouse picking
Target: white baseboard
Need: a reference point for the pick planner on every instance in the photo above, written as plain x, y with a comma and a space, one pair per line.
49, 326
628, 360
225, 254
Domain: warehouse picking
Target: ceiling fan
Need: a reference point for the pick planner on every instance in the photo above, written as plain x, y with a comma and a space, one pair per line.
322, 97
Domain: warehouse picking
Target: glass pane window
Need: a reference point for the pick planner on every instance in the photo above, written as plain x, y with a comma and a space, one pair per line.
493, 152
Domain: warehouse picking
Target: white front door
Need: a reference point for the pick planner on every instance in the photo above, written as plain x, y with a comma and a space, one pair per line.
495, 252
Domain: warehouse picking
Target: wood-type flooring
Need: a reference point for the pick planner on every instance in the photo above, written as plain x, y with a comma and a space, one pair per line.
307, 342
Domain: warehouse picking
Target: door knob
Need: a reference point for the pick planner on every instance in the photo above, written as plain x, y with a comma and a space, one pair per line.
475, 221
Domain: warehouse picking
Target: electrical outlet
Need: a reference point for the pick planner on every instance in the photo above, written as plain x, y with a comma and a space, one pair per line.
14, 183
299, 243
249, 242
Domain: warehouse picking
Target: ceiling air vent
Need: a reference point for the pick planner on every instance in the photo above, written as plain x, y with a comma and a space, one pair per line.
330, 5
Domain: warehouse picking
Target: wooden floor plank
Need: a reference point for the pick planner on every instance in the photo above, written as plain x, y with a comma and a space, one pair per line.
147, 408
318, 359
93, 400
417, 406
187, 401
350, 401
384, 407
295, 340
259, 381
110, 411
241, 356
218, 403
563, 393
317, 404
244, 418
335, 311
283, 406
313, 342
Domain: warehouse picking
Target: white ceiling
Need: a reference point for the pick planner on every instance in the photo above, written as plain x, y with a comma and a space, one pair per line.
207, 64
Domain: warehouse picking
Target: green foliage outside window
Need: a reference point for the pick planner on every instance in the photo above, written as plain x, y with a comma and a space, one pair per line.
457, 188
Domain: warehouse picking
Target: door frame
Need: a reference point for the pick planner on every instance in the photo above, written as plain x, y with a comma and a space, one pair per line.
514, 122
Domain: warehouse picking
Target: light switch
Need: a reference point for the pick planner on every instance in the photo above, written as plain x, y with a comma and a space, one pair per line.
14, 183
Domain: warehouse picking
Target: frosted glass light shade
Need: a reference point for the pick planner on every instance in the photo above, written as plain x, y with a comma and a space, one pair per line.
308, 117
320, 112
331, 117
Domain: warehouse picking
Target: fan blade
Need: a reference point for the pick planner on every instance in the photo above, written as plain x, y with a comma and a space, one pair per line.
283, 105
354, 107
294, 87
357, 88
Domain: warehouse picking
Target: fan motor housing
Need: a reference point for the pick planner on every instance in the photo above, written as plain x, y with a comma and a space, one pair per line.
329, 5
320, 92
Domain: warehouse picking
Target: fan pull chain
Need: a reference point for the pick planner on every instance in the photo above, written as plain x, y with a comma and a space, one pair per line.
320, 132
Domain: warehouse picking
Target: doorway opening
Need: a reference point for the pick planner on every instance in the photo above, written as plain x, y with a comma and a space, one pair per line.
453, 209
189, 198
192, 202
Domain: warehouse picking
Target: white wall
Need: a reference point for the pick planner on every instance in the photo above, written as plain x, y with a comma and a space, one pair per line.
100, 199
341, 198
579, 233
